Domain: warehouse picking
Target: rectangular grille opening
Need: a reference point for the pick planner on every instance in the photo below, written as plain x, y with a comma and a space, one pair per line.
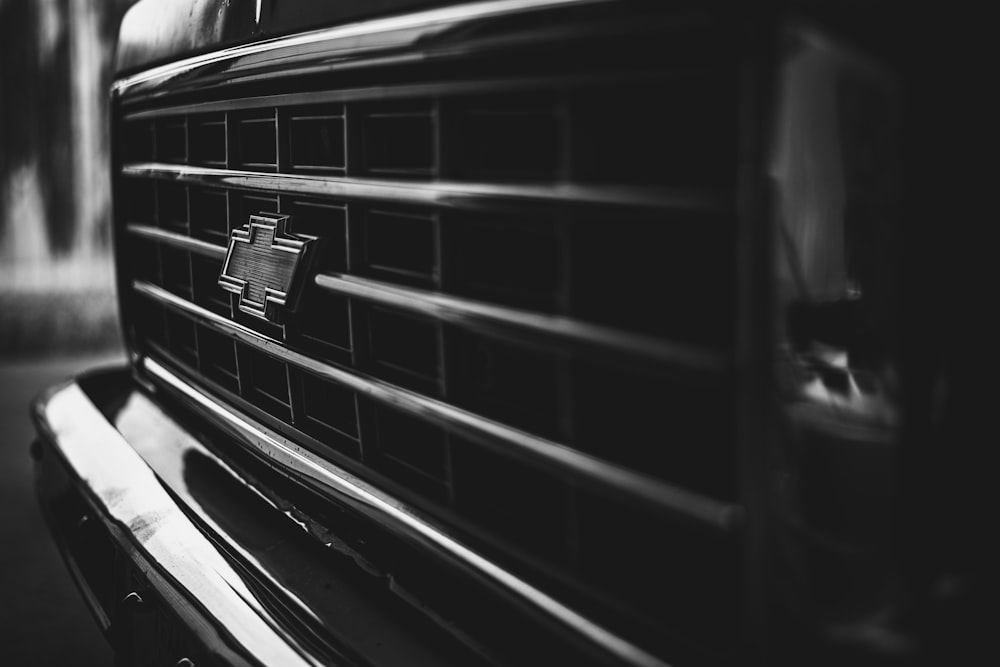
682, 432
208, 139
511, 383
244, 205
522, 504
139, 201
139, 141
217, 354
256, 144
171, 140
504, 137
329, 413
265, 382
172, 202
411, 450
323, 324
207, 293
682, 133
399, 140
316, 139
325, 220
149, 321
495, 258
210, 215
176, 271
400, 244
669, 274
181, 339
405, 348
145, 260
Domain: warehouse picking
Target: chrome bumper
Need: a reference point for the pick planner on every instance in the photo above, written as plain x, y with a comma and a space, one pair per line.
180, 557
137, 557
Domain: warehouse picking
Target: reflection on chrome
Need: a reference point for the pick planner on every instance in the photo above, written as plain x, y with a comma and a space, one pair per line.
144, 513
439, 193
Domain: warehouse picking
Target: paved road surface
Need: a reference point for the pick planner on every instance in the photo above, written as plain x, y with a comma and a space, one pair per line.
43, 620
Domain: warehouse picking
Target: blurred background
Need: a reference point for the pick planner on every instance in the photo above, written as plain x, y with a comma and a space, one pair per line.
56, 277
57, 297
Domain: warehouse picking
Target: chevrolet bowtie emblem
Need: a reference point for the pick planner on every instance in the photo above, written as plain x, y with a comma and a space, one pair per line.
264, 266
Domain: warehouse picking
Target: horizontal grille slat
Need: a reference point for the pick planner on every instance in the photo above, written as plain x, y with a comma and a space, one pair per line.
439, 193
633, 484
476, 314
406, 91
178, 241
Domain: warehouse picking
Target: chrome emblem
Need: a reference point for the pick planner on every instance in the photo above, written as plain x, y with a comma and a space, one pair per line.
264, 266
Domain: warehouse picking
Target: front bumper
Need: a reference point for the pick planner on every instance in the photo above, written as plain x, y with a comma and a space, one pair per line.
159, 588
180, 558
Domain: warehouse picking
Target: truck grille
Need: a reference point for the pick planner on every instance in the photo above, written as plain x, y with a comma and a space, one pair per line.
522, 314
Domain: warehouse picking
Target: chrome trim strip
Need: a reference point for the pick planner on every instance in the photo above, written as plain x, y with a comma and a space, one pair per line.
633, 484
143, 514
407, 520
475, 314
177, 240
378, 93
370, 36
438, 193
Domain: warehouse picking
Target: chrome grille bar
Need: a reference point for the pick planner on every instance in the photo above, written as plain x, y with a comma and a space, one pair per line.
439, 193
181, 241
403, 91
610, 476
476, 314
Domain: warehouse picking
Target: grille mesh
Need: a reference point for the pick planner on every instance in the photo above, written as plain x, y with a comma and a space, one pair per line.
660, 272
